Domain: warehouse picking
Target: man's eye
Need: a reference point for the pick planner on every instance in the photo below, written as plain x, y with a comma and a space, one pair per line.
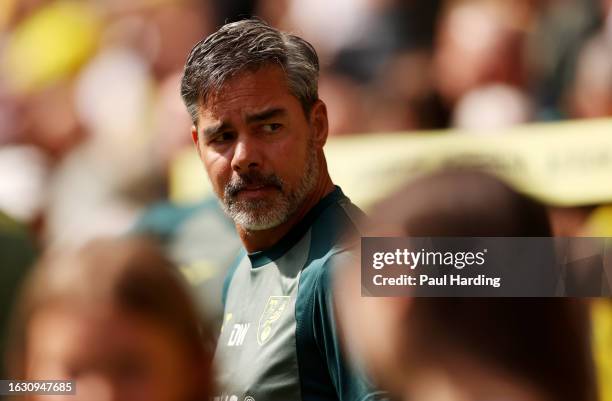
273, 127
223, 137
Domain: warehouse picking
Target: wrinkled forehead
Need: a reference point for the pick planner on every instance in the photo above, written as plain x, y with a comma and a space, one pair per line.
249, 92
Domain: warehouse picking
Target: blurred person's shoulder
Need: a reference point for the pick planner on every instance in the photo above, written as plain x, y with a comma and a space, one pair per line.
164, 219
201, 240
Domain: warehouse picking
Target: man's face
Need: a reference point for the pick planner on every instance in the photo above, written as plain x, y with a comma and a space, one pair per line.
257, 147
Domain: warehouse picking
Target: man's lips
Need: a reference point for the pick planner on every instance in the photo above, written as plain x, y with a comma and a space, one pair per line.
256, 191
254, 187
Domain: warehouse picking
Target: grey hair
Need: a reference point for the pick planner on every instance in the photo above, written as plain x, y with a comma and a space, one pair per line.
246, 46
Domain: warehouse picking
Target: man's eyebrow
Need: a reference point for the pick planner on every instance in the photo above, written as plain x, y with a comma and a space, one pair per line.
214, 129
266, 114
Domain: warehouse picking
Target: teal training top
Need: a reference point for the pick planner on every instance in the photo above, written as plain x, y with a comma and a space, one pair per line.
279, 341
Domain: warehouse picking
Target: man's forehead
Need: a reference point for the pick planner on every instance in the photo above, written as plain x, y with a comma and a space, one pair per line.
249, 92
219, 113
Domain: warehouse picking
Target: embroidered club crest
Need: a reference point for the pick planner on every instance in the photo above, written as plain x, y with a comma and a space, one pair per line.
273, 311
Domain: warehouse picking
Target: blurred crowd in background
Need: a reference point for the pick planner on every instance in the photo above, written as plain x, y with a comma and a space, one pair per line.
90, 113
91, 117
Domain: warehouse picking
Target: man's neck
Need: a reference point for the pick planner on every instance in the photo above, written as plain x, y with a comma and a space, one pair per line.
259, 240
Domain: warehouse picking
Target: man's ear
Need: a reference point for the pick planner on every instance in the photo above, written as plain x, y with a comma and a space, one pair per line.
194, 135
318, 120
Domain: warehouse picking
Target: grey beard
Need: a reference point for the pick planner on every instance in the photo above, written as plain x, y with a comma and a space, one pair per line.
269, 213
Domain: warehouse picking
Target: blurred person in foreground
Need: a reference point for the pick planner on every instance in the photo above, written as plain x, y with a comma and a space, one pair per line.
115, 317
519, 349
259, 128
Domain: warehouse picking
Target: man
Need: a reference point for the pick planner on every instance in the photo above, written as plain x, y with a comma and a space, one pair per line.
259, 128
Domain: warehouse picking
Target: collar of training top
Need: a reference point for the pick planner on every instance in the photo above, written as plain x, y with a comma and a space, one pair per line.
261, 258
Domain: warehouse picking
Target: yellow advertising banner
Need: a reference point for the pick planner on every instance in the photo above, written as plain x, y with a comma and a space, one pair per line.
564, 164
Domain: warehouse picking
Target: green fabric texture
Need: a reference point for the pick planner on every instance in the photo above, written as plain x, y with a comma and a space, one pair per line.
17, 253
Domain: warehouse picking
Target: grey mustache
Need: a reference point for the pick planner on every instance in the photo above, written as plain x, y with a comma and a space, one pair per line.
238, 184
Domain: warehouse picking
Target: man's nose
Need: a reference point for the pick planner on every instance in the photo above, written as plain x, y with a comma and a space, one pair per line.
247, 155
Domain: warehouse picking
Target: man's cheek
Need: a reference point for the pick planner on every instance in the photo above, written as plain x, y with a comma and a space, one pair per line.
219, 174
288, 163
